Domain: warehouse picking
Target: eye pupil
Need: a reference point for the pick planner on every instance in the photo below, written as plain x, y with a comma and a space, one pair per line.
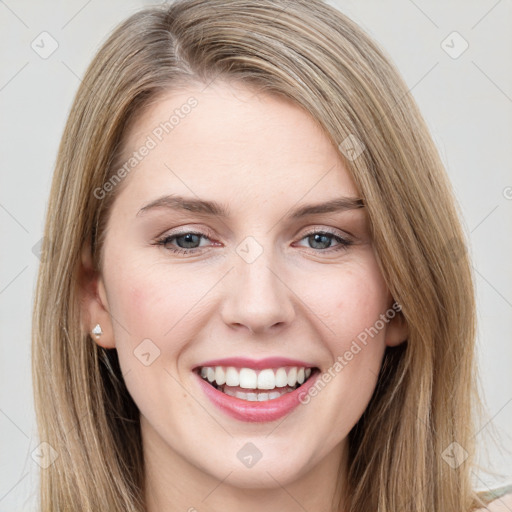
317, 239
188, 242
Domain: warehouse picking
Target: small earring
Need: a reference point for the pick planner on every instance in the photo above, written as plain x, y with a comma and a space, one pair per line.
97, 331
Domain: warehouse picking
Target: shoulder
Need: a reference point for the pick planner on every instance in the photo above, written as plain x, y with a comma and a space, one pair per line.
501, 500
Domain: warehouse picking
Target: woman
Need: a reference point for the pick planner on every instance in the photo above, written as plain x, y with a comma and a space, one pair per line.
256, 289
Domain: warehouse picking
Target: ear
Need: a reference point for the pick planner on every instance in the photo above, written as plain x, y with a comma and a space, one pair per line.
397, 330
93, 301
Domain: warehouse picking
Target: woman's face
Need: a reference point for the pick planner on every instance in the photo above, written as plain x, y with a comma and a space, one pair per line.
186, 285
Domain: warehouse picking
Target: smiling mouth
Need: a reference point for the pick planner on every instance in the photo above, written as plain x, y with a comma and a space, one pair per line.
256, 385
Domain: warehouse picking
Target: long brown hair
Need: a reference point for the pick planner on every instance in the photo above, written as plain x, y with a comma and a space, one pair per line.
306, 51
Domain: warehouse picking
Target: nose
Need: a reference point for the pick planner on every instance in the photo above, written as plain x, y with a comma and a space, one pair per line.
256, 297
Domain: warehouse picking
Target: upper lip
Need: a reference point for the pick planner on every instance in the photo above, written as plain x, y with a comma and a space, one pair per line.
257, 364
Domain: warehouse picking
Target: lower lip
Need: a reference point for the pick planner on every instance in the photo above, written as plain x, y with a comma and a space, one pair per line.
269, 410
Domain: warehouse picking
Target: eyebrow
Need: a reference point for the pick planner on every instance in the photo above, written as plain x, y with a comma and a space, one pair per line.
213, 208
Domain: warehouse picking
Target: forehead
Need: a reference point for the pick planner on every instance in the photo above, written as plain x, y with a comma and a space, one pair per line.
229, 141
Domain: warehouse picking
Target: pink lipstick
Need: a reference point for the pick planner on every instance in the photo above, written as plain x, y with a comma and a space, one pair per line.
261, 409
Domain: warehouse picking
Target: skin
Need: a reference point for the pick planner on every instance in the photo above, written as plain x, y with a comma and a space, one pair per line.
260, 156
502, 504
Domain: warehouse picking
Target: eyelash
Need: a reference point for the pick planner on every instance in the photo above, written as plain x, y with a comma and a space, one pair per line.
343, 242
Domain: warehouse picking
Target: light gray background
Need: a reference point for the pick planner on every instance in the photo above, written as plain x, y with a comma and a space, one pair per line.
467, 102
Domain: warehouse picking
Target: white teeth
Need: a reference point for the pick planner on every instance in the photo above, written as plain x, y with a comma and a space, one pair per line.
249, 378
255, 397
292, 376
220, 375
266, 379
232, 377
281, 378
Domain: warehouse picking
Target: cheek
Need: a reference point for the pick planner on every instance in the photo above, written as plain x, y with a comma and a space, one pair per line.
151, 302
146, 298
155, 315
352, 309
353, 302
